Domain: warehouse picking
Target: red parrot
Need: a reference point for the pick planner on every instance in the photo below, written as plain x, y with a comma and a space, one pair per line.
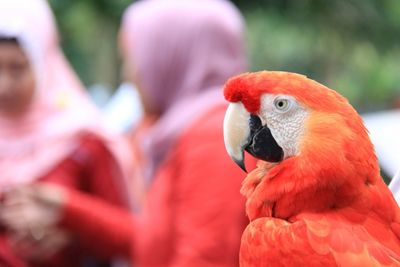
316, 197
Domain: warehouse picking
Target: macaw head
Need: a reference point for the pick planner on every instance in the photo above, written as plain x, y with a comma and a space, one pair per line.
308, 137
278, 115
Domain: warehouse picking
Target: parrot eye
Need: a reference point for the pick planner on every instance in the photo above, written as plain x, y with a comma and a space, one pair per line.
282, 104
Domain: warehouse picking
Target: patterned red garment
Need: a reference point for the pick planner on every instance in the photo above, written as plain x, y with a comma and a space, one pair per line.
91, 169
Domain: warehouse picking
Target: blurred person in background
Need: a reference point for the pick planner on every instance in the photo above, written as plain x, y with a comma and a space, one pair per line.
48, 133
188, 211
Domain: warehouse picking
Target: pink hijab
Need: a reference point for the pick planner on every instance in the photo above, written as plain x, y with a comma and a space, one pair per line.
183, 52
34, 143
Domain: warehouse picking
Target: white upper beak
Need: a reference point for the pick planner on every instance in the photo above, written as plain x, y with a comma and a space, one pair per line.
236, 132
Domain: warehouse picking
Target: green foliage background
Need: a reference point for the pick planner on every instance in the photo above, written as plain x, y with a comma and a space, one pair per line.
352, 46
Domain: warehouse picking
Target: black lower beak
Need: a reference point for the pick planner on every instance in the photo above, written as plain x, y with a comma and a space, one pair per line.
262, 144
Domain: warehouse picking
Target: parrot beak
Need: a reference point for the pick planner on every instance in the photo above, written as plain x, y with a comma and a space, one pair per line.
244, 131
236, 132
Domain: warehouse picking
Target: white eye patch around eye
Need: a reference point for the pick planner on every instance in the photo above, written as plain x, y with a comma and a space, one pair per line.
285, 120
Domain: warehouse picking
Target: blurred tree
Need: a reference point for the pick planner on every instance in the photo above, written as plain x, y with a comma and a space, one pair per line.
89, 30
350, 45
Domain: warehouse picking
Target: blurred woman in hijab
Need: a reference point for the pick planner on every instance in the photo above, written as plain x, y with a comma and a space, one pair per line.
189, 211
47, 133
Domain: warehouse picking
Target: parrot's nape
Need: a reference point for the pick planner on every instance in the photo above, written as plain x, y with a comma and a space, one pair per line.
316, 197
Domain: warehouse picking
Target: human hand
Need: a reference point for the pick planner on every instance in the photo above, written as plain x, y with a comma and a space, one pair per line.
30, 214
33, 207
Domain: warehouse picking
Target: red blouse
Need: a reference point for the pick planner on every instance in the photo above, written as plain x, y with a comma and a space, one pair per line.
92, 169
194, 214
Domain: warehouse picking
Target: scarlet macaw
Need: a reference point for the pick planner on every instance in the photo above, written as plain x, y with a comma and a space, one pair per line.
316, 197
